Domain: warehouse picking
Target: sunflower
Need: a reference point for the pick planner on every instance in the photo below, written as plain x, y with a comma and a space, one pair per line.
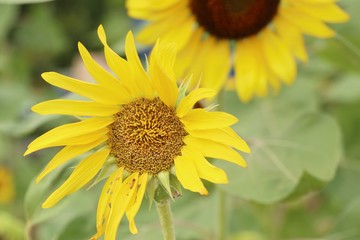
143, 123
7, 192
259, 40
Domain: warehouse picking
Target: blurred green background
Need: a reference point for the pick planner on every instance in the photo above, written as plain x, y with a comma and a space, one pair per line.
304, 172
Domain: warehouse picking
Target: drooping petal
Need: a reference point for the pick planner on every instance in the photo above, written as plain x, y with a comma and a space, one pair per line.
194, 96
81, 175
132, 211
67, 153
121, 200
210, 148
68, 134
107, 194
75, 107
202, 119
225, 136
204, 169
188, 176
89, 90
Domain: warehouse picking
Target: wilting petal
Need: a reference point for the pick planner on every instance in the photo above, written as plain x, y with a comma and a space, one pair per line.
81, 175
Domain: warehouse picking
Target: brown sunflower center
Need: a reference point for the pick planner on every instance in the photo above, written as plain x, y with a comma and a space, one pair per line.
233, 19
146, 136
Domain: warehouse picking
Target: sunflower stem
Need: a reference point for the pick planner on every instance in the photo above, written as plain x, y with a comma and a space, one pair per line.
164, 210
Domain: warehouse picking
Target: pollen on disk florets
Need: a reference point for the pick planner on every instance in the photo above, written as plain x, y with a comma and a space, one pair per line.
234, 19
146, 136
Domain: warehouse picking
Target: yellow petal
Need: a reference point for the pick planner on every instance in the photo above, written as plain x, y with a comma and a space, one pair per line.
67, 153
180, 35
81, 175
204, 169
122, 197
278, 56
131, 213
306, 23
202, 119
103, 208
165, 55
217, 65
68, 134
245, 66
76, 108
191, 54
104, 78
139, 75
210, 148
154, 12
314, 1
329, 12
117, 64
194, 96
225, 136
89, 90
151, 5
291, 36
187, 175
162, 76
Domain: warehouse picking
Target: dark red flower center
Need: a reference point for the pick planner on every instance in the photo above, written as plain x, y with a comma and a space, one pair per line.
234, 19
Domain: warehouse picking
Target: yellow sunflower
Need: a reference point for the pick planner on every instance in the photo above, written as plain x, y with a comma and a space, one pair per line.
259, 40
142, 122
7, 189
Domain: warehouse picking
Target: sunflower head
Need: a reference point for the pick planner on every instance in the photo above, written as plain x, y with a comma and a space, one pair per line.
256, 41
140, 122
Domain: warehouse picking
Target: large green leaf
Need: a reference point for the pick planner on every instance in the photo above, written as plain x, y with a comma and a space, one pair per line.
288, 138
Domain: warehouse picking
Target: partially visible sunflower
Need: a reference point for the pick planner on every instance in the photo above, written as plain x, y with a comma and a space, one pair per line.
140, 121
7, 186
258, 39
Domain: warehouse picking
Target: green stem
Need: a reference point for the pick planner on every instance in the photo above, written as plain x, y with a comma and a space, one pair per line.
222, 216
166, 221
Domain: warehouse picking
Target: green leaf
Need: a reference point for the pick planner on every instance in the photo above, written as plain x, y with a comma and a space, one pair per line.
7, 18
36, 194
22, 1
345, 90
288, 138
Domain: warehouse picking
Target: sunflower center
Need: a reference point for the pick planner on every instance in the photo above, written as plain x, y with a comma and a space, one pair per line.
146, 136
233, 19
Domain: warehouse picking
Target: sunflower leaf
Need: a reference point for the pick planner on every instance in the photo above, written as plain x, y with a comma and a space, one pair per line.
289, 138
